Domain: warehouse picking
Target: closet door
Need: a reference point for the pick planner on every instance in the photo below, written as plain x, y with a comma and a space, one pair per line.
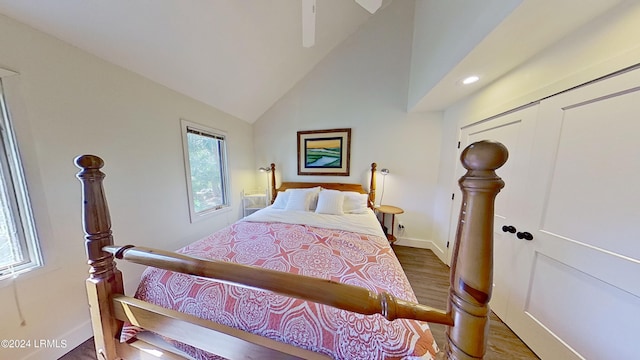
577, 293
514, 130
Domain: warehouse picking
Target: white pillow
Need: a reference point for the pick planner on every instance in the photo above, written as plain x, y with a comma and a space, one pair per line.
281, 200
299, 200
330, 202
355, 203
315, 191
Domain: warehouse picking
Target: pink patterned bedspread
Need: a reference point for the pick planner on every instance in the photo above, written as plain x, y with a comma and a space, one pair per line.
342, 256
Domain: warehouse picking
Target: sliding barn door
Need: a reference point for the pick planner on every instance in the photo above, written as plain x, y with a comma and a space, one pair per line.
514, 130
577, 281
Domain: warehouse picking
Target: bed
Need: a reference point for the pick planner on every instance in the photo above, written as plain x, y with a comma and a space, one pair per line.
274, 285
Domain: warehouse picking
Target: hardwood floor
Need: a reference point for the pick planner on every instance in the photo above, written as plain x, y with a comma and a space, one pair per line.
84, 351
429, 278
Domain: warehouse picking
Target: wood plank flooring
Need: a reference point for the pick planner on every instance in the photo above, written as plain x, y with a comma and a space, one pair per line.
429, 278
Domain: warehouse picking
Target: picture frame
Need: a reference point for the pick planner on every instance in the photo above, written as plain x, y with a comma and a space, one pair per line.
324, 152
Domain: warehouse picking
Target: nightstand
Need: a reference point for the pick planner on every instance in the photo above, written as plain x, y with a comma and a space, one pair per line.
393, 211
253, 201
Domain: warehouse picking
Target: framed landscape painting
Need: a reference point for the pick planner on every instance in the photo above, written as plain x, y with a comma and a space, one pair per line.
324, 152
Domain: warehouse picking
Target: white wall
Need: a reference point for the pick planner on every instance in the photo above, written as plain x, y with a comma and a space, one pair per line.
605, 45
363, 85
64, 103
444, 33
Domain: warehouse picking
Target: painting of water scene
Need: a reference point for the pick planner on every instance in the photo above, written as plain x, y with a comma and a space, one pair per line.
324, 152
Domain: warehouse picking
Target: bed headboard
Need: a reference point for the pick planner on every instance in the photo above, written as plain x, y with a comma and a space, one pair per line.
326, 185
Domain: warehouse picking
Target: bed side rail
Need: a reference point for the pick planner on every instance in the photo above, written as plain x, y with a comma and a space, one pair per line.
221, 340
342, 296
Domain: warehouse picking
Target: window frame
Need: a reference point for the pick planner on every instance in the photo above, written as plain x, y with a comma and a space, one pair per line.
224, 168
19, 204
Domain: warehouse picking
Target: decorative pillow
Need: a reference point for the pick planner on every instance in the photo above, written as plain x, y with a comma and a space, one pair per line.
299, 200
330, 202
355, 203
281, 200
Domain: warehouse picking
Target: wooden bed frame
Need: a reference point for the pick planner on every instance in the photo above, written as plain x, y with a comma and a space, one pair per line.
466, 315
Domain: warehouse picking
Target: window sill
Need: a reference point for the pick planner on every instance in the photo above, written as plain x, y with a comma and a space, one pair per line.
209, 214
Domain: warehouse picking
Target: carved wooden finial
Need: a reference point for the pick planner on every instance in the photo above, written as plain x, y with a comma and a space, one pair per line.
273, 183
372, 186
105, 279
472, 262
89, 162
484, 156
95, 215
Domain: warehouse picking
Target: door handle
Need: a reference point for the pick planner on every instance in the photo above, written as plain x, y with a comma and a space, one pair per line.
509, 229
525, 235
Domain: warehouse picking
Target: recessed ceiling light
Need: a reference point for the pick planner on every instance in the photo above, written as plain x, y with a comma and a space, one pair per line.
470, 80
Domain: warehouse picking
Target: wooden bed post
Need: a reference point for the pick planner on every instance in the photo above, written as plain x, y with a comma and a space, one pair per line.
104, 278
372, 185
472, 264
273, 183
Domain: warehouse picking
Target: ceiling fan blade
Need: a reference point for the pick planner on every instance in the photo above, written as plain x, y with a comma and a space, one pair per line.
308, 23
370, 5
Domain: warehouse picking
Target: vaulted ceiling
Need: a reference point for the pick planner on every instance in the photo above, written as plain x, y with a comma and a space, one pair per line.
241, 56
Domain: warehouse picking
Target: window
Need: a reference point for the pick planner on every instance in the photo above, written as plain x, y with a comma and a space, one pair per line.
19, 250
206, 167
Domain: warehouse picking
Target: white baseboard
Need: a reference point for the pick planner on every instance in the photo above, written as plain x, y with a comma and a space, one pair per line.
423, 244
63, 343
